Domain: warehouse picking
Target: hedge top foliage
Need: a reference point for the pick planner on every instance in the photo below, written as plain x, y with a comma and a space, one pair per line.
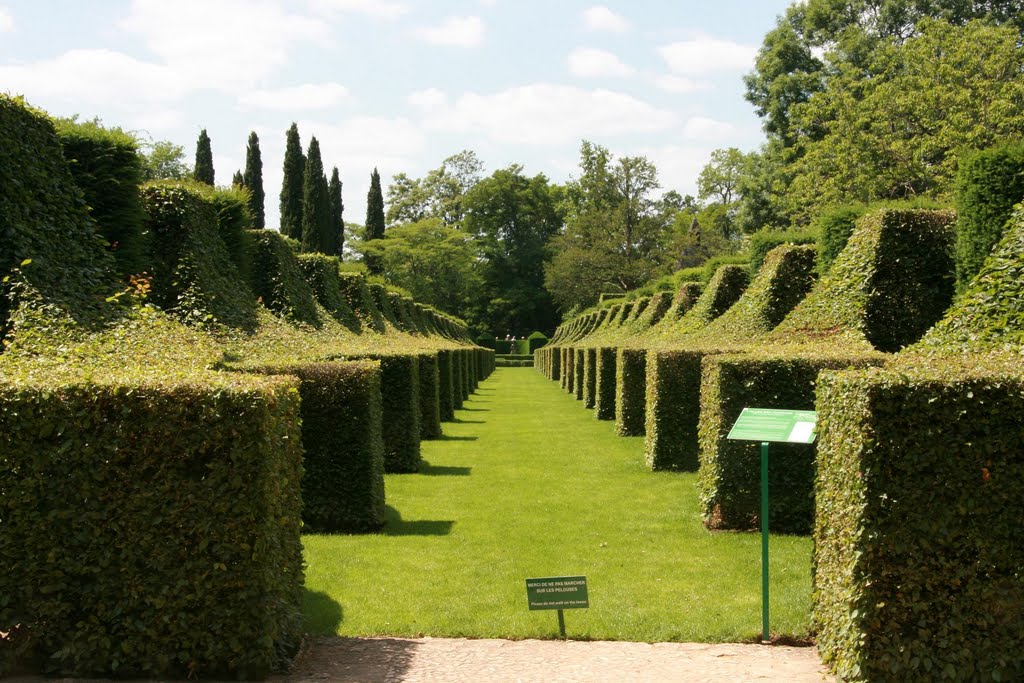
321, 272
720, 294
45, 228
891, 282
989, 314
278, 281
765, 240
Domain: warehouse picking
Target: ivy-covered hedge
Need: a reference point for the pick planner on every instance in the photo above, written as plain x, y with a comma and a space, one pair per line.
766, 239
360, 300
684, 300
277, 279
430, 395
43, 220
725, 289
988, 185
630, 391
446, 385
536, 340
151, 530
234, 221
730, 474
106, 166
579, 366
604, 392
343, 454
193, 274
672, 409
834, 226
321, 273
918, 541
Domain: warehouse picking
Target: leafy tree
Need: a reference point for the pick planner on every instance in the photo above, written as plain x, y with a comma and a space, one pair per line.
762, 187
374, 221
439, 194
720, 176
204, 159
253, 180
337, 225
237, 180
317, 234
164, 160
292, 185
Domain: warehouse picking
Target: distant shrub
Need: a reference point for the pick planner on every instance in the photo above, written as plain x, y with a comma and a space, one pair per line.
536, 340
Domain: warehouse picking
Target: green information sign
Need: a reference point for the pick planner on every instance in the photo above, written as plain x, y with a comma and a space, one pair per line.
557, 592
768, 424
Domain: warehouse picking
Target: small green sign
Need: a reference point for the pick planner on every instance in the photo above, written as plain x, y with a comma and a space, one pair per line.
557, 592
769, 424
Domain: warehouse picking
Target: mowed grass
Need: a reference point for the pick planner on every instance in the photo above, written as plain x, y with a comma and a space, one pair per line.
528, 484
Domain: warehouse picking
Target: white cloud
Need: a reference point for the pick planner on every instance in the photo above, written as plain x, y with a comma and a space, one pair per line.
377, 9
427, 100
226, 45
454, 31
299, 97
705, 54
587, 62
6, 21
544, 113
680, 84
600, 18
703, 128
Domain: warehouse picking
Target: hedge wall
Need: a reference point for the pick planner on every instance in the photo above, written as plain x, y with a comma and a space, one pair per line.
604, 392
321, 273
446, 385
430, 396
918, 541
151, 530
834, 227
684, 300
730, 474
343, 452
536, 340
630, 391
44, 220
194, 277
555, 360
765, 240
589, 377
458, 379
988, 184
578, 368
234, 221
360, 300
721, 293
277, 279
672, 409
107, 168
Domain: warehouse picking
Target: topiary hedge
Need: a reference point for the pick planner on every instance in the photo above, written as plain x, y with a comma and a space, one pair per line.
630, 391
834, 226
725, 289
277, 279
578, 367
604, 393
766, 239
234, 221
589, 377
430, 395
343, 452
536, 340
356, 292
918, 541
672, 409
684, 300
151, 529
446, 385
321, 273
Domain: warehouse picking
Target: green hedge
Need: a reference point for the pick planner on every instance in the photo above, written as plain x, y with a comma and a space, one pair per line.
44, 220
234, 221
151, 530
277, 279
834, 227
106, 166
343, 452
579, 366
430, 395
918, 542
321, 273
604, 393
554, 362
360, 300
630, 391
536, 340
729, 478
724, 289
589, 377
765, 240
672, 409
193, 274
568, 369
458, 380
988, 184
446, 385
684, 300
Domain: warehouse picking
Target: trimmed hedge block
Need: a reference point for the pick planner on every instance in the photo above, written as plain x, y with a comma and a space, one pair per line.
321, 273
430, 396
277, 279
151, 530
458, 381
730, 471
672, 410
446, 385
578, 366
630, 391
604, 398
918, 541
589, 377
343, 482
400, 393
360, 301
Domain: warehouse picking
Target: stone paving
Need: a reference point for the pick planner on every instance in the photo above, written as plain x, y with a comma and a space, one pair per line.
442, 660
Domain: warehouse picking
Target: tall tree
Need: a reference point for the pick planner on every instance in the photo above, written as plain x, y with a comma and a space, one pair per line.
237, 180
204, 159
316, 208
253, 180
163, 159
374, 220
337, 228
292, 185
439, 194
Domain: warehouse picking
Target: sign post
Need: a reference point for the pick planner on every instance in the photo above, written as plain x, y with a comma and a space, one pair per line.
767, 425
560, 593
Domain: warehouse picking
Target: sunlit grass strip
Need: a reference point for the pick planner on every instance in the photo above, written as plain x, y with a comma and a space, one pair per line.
525, 484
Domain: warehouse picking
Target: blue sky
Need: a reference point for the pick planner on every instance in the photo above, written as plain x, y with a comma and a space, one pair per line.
401, 84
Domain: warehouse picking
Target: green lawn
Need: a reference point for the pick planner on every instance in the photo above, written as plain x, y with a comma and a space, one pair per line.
528, 484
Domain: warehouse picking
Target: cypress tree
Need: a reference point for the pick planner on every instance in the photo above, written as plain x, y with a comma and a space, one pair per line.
254, 181
337, 227
316, 209
292, 185
374, 219
237, 180
204, 159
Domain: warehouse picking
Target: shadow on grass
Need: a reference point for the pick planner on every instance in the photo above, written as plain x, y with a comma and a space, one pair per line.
448, 437
322, 613
394, 525
446, 471
477, 410
468, 422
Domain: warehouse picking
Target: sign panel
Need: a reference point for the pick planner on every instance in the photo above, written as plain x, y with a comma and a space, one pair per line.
557, 592
769, 424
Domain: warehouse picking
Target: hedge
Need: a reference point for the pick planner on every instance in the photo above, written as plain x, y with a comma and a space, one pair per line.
554, 356
536, 340
458, 381
234, 220
343, 451
765, 240
193, 274
43, 220
672, 409
729, 477
430, 395
589, 377
151, 530
357, 293
724, 289
277, 279
684, 300
107, 168
988, 184
446, 385
834, 226
630, 391
604, 392
568, 368
918, 542
321, 273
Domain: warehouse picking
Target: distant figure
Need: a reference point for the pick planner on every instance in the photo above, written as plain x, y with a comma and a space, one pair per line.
507, 338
